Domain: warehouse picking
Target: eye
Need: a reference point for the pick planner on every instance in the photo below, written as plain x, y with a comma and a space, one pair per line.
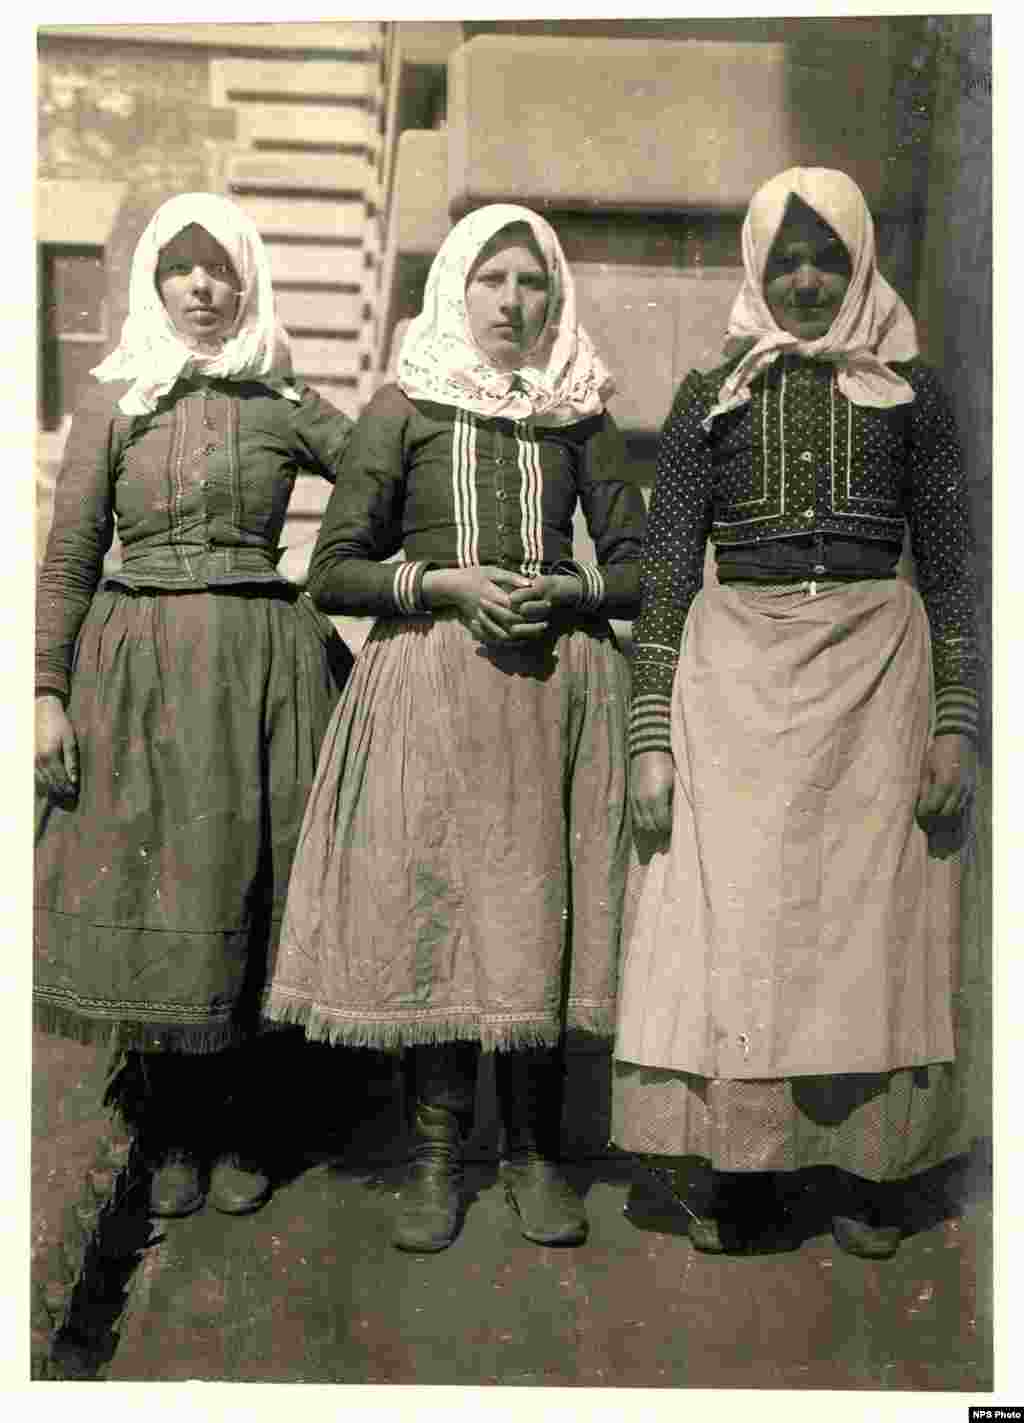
833, 257
221, 271
780, 263
535, 281
173, 269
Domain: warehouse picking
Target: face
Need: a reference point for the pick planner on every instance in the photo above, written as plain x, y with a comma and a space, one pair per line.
807, 274
198, 285
507, 299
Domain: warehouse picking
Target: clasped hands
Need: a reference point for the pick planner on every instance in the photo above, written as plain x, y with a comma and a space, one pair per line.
499, 606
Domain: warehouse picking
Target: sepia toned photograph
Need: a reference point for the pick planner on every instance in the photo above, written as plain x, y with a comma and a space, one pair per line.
513, 706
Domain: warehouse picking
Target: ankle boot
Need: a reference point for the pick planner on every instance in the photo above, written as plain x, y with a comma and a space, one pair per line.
169, 1137
869, 1226
441, 1087
702, 1192
238, 1183
178, 1184
431, 1201
530, 1090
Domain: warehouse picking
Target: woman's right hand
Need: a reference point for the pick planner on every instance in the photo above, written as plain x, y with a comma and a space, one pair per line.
56, 750
652, 778
480, 596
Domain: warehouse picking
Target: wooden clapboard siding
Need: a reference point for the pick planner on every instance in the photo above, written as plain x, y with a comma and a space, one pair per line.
277, 215
305, 123
307, 309
313, 264
325, 356
232, 80
300, 172
305, 170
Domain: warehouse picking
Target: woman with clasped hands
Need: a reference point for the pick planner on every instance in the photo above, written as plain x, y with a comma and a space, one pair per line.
460, 876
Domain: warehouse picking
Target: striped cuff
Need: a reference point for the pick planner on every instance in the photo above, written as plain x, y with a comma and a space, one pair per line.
44, 689
650, 727
407, 588
956, 712
592, 597
654, 669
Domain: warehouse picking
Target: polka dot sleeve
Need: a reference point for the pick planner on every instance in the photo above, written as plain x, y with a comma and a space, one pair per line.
940, 534
678, 525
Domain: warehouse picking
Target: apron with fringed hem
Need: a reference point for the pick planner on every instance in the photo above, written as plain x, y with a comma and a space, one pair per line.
462, 862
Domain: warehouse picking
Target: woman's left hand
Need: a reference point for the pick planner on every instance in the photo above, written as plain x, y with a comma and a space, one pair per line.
948, 777
545, 593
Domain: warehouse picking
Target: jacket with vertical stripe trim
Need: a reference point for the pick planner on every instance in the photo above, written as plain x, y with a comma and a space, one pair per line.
445, 488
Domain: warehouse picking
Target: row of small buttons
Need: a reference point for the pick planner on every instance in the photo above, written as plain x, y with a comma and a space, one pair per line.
208, 449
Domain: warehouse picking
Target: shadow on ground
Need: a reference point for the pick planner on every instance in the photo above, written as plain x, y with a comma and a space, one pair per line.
319, 1257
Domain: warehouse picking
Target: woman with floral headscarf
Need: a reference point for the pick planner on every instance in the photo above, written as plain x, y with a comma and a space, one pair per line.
459, 877
798, 727
180, 701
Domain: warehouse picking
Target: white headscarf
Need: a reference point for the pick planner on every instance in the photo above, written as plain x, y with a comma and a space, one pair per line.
561, 380
153, 354
872, 326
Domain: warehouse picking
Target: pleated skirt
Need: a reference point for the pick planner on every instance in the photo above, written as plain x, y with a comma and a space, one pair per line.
159, 892
461, 867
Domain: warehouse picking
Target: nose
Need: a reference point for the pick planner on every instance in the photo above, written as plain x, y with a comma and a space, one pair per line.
806, 282
200, 279
511, 295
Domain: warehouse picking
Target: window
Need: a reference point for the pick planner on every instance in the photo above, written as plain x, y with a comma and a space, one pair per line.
72, 324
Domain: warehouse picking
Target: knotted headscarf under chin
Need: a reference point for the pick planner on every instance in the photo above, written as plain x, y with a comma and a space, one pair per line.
872, 327
561, 380
153, 354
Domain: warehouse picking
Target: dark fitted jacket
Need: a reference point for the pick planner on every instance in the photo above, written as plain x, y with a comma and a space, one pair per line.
799, 483
453, 489
199, 489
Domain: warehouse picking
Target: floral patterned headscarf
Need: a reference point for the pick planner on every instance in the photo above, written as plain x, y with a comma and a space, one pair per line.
153, 354
561, 380
873, 324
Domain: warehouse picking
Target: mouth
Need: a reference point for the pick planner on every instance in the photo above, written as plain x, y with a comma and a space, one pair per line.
509, 329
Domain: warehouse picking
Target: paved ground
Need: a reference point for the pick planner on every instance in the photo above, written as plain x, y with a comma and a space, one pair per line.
310, 1289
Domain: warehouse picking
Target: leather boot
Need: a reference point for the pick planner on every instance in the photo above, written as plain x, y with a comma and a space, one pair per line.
530, 1091
705, 1196
869, 1226
442, 1085
170, 1136
238, 1183
177, 1186
431, 1201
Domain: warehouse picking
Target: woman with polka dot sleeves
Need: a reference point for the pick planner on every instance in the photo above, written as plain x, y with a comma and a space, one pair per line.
799, 726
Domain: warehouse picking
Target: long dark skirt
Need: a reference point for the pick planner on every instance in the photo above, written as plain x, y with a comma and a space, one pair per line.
159, 892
